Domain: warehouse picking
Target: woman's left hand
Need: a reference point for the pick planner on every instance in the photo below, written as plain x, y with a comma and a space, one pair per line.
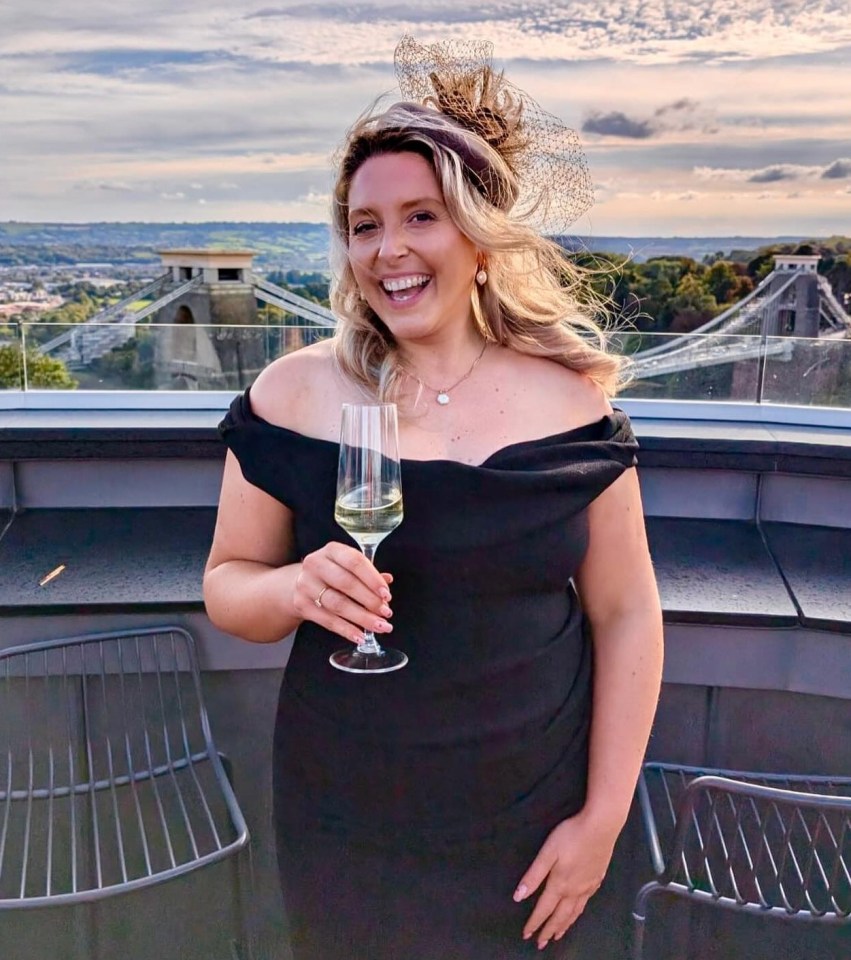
573, 862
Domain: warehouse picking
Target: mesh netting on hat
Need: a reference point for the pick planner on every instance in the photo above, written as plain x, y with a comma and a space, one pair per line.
456, 78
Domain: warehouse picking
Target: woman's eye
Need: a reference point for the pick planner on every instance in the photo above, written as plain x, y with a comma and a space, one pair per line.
423, 217
360, 228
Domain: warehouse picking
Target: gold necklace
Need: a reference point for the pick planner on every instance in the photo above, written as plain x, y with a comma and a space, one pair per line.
443, 394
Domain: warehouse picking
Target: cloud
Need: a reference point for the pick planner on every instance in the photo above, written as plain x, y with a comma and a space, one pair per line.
117, 186
776, 172
780, 171
838, 170
317, 197
617, 124
109, 186
669, 196
116, 61
682, 104
637, 31
158, 97
682, 114
423, 12
364, 32
685, 114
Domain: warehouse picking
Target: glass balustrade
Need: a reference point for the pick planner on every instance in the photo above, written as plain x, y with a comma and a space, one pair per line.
177, 357
711, 366
808, 373
116, 356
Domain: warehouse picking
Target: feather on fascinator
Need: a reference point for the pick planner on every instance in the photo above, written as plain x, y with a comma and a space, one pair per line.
552, 187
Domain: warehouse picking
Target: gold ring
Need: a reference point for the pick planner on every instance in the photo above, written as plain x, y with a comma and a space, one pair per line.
318, 600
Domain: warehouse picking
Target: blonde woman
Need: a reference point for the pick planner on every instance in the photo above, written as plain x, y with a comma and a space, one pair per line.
467, 806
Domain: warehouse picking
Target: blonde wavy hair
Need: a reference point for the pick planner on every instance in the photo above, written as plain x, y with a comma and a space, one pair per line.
535, 301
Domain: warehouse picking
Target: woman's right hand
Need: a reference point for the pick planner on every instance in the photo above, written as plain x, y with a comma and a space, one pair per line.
353, 595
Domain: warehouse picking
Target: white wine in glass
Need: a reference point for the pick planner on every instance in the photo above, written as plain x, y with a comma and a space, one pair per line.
368, 507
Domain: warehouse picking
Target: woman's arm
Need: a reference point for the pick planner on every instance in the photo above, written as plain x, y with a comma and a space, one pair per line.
250, 573
618, 591
255, 589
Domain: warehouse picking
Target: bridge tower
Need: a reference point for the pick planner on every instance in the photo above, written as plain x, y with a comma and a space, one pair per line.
796, 310
223, 297
203, 330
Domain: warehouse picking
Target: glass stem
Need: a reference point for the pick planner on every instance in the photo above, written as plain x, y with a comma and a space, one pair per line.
369, 643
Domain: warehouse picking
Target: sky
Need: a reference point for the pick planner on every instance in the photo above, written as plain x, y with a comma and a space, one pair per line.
698, 117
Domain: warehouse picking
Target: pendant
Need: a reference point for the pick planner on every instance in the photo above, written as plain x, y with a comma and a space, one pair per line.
443, 398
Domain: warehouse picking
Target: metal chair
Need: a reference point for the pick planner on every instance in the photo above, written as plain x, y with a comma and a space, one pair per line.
109, 778
764, 844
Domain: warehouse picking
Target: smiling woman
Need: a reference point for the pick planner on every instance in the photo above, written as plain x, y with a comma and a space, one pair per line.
468, 805
410, 262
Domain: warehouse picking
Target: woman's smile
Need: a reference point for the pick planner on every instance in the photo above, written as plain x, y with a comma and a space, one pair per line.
405, 290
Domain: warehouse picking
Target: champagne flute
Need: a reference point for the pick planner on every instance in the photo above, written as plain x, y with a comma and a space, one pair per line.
368, 507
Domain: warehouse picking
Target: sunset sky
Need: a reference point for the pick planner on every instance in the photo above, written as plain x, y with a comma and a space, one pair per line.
706, 117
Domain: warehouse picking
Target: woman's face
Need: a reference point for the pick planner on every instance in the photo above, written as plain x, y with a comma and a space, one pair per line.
412, 264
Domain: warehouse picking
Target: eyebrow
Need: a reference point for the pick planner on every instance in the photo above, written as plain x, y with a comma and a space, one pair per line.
360, 211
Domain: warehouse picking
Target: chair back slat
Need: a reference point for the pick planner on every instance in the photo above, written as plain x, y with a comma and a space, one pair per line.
109, 778
764, 840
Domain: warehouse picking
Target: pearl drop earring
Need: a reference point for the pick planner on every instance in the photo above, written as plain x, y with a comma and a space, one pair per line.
482, 277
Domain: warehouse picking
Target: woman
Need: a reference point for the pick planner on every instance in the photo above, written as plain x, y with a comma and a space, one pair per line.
466, 806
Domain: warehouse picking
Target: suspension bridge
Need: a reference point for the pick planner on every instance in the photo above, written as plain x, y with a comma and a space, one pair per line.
792, 302
199, 287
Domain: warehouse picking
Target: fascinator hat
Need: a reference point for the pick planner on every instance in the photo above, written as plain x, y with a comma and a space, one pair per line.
520, 158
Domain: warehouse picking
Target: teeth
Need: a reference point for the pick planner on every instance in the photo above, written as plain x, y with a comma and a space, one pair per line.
404, 283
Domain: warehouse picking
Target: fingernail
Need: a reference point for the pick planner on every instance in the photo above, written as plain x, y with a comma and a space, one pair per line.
383, 626
385, 611
543, 944
384, 593
358, 637
520, 893
527, 936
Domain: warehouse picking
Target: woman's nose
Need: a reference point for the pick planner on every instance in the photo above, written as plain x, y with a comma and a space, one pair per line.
393, 244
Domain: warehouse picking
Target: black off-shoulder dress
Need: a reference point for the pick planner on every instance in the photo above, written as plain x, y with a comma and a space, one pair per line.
408, 805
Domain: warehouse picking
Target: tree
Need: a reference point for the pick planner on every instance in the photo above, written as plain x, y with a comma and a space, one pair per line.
42, 372
839, 277
722, 281
653, 286
762, 264
692, 305
11, 370
129, 366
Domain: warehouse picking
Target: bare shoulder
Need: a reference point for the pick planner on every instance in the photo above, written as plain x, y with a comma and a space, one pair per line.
580, 398
291, 387
587, 397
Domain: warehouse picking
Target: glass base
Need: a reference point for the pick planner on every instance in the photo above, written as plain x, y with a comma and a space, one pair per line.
353, 662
